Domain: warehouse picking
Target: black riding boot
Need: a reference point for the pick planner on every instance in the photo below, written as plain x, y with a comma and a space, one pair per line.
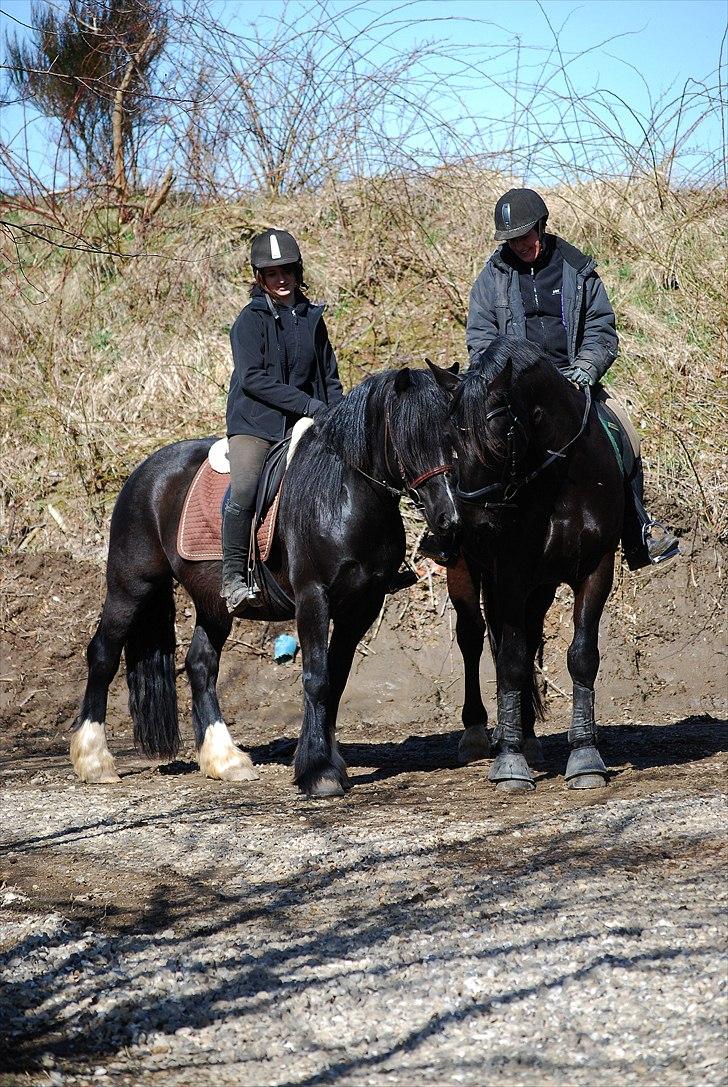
645, 542
237, 585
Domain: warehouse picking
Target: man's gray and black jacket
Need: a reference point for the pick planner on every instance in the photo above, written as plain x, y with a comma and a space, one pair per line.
496, 308
284, 367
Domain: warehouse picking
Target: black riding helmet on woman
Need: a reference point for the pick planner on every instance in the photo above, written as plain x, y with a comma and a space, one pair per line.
284, 369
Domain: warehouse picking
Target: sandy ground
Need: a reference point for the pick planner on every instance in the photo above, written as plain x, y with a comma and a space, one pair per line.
176, 930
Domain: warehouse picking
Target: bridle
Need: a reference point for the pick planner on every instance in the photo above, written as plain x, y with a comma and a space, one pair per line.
511, 485
409, 488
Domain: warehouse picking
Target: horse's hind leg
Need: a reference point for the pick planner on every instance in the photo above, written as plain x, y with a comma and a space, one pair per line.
90, 755
585, 769
218, 756
464, 588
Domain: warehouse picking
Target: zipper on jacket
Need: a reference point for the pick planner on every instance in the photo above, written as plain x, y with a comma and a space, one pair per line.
539, 315
297, 348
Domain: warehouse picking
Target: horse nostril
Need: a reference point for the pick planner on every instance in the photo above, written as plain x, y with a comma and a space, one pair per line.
447, 522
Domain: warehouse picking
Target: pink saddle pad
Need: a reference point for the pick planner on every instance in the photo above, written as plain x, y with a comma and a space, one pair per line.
199, 536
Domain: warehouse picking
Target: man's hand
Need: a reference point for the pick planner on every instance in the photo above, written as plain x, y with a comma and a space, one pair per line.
581, 375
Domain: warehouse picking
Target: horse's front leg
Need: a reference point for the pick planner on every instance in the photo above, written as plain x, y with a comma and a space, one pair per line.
463, 585
349, 628
585, 768
319, 770
218, 756
510, 771
537, 605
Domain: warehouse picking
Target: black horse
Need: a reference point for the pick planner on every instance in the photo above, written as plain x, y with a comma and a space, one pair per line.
542, 501
341, 543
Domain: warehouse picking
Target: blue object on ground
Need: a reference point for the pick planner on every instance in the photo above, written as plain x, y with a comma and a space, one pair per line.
284, 648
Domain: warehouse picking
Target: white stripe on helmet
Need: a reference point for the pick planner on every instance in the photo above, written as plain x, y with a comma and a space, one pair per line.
275, 249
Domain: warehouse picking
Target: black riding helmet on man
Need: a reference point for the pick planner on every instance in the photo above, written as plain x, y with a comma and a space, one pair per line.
538, 287
284, 369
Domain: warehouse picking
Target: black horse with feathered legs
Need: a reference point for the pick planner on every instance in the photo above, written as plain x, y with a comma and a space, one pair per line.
542, 500
341, 543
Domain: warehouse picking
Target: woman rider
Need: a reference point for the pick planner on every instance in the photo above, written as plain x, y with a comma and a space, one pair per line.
540, 288
284, 368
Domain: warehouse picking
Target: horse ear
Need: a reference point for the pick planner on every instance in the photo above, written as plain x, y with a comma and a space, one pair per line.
502, 381
447, 379
403, 380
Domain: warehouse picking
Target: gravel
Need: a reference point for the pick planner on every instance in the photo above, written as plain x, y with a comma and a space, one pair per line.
179, 931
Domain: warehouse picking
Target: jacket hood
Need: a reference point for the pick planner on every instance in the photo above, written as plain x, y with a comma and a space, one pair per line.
579, 261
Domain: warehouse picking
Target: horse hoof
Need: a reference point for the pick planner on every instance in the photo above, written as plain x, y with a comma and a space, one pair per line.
102, 777
588, 781
585, 769
109, 777
533, 752
91, 758
510, 773
327, 786
238, 772
515, 785
474, 744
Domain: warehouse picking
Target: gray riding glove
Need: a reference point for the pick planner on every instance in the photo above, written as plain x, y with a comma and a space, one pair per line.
583, 374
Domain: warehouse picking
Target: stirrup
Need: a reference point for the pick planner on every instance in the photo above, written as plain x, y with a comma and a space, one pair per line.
239, 592
664, 547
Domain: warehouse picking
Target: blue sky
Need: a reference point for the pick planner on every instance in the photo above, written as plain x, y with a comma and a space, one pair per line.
644, 51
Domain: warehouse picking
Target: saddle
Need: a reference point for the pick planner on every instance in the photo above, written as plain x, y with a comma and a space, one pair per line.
618, 438
199, 536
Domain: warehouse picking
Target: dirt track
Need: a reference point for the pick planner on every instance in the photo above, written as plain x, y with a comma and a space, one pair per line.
175, 930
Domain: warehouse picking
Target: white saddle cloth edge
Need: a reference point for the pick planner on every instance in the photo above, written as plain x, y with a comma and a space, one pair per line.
217, 454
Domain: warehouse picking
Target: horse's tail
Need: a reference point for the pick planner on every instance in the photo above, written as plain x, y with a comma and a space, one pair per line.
537, 696
150, 674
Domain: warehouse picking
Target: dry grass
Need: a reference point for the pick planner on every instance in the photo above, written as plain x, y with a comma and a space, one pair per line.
107, 358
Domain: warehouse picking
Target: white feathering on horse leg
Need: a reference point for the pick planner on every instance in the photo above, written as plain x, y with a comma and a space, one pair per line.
220, 758
90, 755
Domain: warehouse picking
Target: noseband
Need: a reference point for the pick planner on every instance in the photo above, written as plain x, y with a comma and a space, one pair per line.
511, 485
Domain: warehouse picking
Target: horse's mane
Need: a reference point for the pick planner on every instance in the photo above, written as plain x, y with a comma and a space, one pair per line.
351, 434
348, 431
470, 405
522, 355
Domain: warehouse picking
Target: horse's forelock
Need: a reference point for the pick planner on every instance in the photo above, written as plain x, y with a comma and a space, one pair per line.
418, 417
355, 425
480, 390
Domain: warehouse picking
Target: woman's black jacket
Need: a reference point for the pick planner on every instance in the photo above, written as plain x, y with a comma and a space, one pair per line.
260, 400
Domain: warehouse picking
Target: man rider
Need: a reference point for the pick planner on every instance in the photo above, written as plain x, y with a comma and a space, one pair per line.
541, 288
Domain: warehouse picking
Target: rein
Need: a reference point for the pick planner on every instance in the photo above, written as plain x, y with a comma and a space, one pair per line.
512, 486
405, 488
